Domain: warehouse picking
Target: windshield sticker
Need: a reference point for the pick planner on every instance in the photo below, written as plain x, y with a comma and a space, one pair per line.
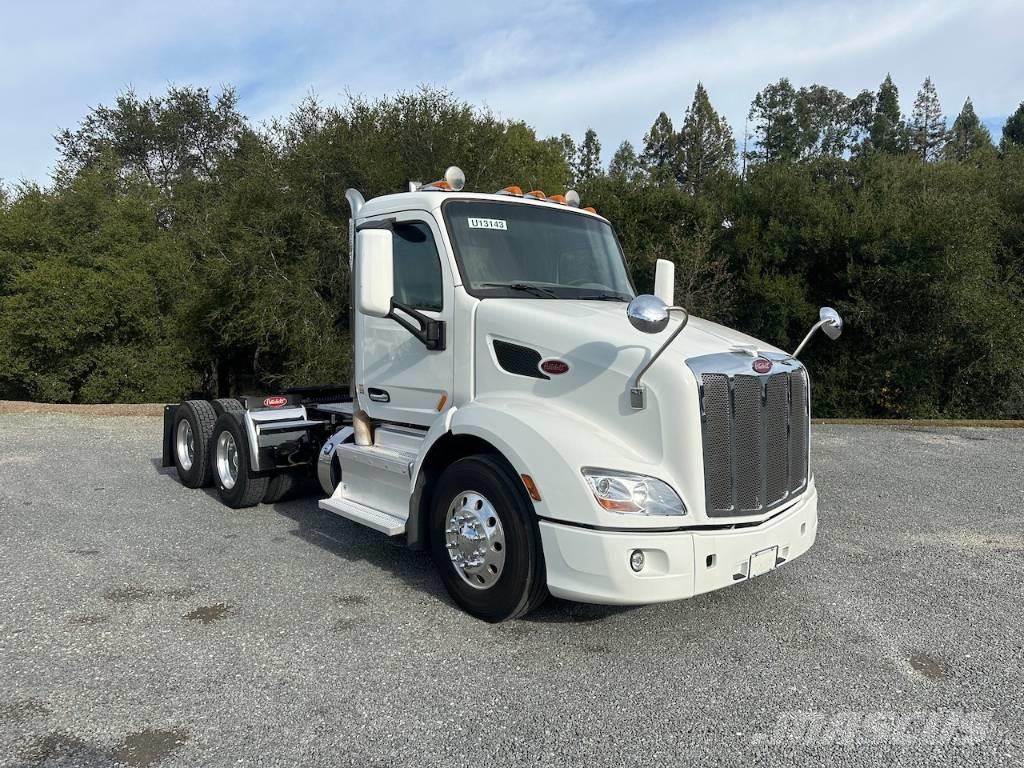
487, 224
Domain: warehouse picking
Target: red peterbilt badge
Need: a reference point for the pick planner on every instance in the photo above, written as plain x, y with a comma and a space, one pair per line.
275, 401
555, 367
762, 365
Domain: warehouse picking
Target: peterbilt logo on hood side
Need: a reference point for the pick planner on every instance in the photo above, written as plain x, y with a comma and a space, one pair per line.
554, 367
762, 365
275, 401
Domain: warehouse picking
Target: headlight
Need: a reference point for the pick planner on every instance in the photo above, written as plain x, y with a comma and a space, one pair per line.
631, 494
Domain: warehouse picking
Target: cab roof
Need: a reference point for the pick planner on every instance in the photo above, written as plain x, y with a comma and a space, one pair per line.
433, 199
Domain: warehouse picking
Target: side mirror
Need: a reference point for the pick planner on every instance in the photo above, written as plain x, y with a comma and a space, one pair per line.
833, 323
665, 281
375, 278
830, 323
648, 313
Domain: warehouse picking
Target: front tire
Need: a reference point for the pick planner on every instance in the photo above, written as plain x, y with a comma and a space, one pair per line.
231, 464
193, 425
485, 541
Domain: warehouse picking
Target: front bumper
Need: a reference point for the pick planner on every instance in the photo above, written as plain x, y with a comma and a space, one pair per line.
593, 566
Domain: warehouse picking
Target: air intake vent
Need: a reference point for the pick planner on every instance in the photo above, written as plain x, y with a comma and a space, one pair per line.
522, 361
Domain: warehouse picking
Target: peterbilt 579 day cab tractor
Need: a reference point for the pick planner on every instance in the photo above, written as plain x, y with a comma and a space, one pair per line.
521, 412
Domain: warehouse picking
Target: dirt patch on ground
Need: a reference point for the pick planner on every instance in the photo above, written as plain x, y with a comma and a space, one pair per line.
115, 409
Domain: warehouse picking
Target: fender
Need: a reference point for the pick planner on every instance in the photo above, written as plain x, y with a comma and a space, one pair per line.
535, 439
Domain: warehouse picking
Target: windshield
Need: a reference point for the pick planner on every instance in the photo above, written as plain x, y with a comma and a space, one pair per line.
533, 251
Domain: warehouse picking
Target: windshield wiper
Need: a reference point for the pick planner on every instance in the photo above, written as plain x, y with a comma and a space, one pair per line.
536, 290
603, 297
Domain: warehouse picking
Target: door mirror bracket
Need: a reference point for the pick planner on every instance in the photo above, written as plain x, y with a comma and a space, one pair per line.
430, 332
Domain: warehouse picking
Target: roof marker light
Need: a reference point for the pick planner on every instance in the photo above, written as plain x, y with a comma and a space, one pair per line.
454, 180
560, 199
572, 198
588, 209
511, 190
537, 193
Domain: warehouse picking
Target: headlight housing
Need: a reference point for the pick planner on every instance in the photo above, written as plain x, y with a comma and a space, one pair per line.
632, 494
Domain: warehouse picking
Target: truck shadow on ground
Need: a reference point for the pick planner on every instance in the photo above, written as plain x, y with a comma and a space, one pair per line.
415, 568
357, 544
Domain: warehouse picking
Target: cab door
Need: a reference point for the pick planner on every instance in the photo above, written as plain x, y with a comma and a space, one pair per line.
398, 379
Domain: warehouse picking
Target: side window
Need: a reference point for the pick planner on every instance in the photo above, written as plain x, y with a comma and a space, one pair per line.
417, 267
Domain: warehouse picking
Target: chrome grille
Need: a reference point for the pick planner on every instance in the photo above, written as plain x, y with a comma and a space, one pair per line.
754, 432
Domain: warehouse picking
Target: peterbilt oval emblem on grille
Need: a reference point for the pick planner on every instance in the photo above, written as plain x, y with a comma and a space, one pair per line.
276, 401
555, 367
762, 365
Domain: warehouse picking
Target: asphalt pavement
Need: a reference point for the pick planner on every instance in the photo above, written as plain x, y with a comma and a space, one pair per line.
142, 623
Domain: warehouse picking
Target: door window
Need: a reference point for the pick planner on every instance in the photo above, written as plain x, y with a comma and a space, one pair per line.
417, 267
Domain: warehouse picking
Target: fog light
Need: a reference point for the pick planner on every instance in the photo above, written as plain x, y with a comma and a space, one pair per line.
636, 560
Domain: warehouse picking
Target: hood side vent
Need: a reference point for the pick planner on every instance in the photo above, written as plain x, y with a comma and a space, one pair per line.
522, 361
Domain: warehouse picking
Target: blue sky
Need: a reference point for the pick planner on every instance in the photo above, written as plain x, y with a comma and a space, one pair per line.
561, 65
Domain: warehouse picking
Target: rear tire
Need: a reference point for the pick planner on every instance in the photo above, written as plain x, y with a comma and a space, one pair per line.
231, 465
280, 487
485, 541
227, 405
193, 425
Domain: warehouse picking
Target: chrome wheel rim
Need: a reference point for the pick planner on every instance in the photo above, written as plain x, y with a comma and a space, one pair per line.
475, 539
227, 460
185, 445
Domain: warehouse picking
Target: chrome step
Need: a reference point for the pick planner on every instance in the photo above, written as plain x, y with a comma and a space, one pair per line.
359, 513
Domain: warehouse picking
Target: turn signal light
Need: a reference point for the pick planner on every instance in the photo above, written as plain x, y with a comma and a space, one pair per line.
531, 487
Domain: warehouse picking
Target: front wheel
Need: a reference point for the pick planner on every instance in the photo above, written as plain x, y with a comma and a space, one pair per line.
230, 461
484, 540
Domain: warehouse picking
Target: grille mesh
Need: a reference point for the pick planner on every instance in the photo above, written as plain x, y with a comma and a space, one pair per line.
754, 435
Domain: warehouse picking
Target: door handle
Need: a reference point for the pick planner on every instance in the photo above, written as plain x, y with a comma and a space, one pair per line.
378, 395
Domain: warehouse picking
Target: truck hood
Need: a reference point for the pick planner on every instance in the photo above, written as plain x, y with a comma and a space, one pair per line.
571, 328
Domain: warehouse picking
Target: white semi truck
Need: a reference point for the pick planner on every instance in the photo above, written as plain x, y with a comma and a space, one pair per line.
519, 411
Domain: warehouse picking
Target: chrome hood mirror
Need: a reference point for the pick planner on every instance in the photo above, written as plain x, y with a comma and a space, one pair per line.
648, 313
830, 323
833, 326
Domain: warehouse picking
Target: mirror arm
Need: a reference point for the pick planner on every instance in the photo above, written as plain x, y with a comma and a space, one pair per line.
807, 338
430, 332
637, 396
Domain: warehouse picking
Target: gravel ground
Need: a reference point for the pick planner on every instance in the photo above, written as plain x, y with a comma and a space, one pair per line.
142, 623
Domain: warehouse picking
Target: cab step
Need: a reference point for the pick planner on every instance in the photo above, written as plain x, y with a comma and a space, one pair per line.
360, 513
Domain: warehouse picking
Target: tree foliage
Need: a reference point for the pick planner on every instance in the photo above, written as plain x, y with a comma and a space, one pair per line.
181, 249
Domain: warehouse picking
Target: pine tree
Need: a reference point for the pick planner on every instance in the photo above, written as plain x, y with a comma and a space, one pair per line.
569, 154
1013, 131
625, 164
969, 137
706, 145
888, 130
775, 123
587, 165
927, 123
660, 155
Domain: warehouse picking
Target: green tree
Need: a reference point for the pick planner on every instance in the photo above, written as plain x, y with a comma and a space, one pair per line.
625, 165
660, 157
968, 139
927, 123
705, 145
776, 132
587, 164
1013, 129
888, 132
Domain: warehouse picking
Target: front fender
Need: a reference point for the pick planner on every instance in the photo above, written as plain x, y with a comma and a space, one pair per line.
550, 445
